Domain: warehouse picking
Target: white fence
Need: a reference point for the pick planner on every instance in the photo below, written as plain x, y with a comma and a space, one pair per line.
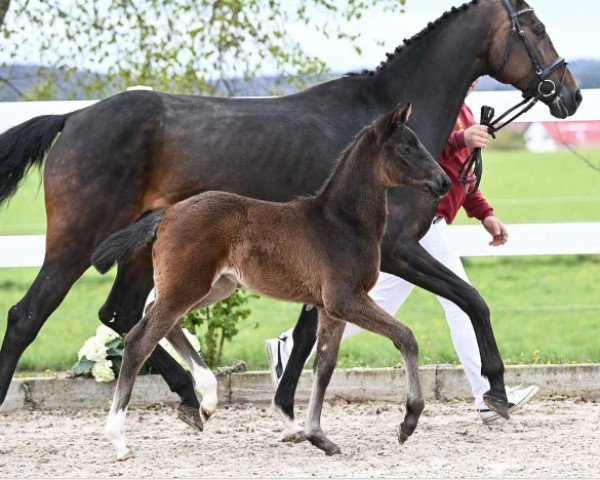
469, 241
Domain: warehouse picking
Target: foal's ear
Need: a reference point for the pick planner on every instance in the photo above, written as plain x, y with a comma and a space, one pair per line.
399, 116
405, 113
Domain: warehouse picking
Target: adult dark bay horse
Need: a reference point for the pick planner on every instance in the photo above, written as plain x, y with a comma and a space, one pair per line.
140, 151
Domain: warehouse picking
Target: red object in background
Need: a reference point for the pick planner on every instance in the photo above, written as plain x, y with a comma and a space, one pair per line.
577, 134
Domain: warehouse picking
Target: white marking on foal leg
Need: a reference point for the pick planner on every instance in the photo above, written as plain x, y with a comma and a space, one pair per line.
114, 431
206, 384
291, 430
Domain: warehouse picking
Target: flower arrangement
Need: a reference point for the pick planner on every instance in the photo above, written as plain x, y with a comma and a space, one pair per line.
101, 355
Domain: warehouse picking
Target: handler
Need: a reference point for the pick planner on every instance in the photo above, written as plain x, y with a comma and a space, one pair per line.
390, 291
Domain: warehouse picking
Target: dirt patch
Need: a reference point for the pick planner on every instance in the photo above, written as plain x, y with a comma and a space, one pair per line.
546, 439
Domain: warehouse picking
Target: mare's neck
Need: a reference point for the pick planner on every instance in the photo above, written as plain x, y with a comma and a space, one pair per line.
354, 192
435, 71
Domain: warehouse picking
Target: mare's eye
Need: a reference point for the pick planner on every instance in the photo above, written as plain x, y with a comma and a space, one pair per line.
539, 30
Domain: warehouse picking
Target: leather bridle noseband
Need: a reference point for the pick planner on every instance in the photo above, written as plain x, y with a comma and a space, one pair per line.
541, 87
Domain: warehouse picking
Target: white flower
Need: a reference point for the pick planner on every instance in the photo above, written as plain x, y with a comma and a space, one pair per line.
171, 351
93, 349
106, 334
102, 371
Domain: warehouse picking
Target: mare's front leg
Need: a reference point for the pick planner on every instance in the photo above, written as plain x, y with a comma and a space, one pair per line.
124, 308
409, 260
304, 335
328, 342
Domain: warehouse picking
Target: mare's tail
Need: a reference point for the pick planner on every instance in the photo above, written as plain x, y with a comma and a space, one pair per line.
126, 243
23, 147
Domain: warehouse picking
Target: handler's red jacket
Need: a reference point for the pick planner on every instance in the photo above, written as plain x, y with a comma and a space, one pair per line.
455, 153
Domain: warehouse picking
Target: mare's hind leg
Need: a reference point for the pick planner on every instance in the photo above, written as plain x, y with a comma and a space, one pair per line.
57, 275
204, 379
124, 308
364, 312
329, 336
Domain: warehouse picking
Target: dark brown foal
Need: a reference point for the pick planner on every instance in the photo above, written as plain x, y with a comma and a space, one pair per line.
323, 250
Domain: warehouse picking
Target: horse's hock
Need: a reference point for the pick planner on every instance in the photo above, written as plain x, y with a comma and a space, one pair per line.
353, 385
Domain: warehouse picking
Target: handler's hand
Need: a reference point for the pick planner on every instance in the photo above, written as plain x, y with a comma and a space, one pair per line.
496, 229
477, 136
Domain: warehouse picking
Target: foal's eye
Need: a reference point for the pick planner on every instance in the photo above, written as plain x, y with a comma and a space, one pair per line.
403, 150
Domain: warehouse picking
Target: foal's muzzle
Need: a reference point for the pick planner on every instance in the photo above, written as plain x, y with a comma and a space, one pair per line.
440, 186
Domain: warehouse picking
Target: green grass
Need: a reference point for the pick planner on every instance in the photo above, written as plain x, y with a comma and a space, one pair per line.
544, 309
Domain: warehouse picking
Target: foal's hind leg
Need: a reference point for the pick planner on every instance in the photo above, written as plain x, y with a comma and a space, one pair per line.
204, 379
365, 313
181, 287
139, 344
124, 308
328, 342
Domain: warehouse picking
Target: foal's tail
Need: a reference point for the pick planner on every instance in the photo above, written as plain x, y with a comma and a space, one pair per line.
126, 243
23, 147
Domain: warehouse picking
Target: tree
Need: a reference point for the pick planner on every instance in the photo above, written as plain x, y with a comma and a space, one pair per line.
174, 45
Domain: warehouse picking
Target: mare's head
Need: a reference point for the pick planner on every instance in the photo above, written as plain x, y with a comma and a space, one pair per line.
403, 160
521, 53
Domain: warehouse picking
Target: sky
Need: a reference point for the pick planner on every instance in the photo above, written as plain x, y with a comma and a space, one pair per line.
572, 25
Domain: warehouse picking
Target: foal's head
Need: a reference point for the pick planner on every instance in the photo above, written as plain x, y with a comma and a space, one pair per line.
403, 160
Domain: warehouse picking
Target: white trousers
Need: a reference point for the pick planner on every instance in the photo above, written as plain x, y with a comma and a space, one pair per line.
390, 292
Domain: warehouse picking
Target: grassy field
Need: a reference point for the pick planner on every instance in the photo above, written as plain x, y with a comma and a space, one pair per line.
544, 309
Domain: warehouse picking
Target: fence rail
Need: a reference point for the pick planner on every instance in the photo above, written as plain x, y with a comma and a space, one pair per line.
468, 240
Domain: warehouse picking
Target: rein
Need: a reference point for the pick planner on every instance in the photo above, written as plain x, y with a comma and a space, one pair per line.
541, 87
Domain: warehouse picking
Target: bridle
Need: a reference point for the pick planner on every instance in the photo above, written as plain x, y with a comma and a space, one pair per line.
541, 87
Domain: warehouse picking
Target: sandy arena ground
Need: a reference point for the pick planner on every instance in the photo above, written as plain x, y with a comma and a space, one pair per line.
547, 439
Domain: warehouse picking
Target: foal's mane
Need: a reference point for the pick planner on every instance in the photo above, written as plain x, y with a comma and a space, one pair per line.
418, 36
358, 146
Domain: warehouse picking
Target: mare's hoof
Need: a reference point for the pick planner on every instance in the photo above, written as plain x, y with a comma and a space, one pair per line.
323, 443
402, 437
125, 455
191, 416
498, 405
295, 437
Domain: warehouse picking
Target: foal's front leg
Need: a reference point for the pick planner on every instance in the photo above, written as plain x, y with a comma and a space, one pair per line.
204, 379
328, 342
363, 311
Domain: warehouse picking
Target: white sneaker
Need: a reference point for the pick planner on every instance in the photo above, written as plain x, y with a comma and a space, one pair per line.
278, 358
517, 397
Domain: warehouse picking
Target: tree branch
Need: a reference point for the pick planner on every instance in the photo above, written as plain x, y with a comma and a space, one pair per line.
4, 4
13, 87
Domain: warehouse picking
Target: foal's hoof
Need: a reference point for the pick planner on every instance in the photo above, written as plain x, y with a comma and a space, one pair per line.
191, 416
323, 443
124, 455
295, 437
498, 405
205, 414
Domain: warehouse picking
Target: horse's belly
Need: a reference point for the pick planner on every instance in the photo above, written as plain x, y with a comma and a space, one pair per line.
276, 283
